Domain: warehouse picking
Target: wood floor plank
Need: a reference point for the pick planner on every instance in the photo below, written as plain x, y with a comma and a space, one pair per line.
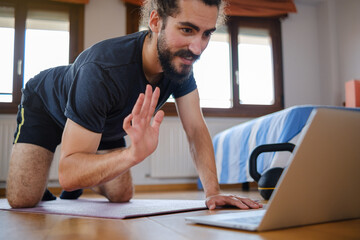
90, 228
47, 226
344, 230
29, 226
177, 223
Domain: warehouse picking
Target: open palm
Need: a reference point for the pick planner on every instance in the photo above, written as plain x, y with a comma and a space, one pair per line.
144, 135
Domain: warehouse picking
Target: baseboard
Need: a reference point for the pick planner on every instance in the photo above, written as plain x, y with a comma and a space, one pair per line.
156, 188
237, 186
166, 187
187, 187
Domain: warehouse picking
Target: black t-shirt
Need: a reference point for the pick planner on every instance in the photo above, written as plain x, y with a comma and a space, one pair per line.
101, 87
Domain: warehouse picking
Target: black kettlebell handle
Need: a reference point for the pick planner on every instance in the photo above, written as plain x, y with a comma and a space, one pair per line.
277, 147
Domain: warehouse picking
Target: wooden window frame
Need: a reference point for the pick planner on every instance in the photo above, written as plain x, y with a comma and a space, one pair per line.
273, 24
76, 15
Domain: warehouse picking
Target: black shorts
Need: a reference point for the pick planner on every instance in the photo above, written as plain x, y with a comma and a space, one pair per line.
35, 126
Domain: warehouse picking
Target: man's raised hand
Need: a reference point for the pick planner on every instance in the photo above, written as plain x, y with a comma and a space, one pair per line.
144, 135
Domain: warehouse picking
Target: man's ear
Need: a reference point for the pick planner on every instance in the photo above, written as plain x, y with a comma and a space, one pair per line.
155, 22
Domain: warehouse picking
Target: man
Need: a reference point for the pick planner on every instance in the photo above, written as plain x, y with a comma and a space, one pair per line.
92, 104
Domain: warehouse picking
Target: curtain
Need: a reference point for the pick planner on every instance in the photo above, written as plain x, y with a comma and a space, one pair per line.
251, 8
73, 1
260, 8
135, 2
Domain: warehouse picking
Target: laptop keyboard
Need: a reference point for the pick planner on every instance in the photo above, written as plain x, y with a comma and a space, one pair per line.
249, 220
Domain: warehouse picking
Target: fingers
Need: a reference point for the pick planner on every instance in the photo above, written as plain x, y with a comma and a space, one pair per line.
146, 103
211, 206
139, 102
127, 123
239, 203
222, 200
158, 118
250, 203
211, 203
143, 109
227, 200
154, 101
246, 203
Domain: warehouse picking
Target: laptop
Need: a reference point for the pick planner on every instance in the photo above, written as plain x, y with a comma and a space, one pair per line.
321, 183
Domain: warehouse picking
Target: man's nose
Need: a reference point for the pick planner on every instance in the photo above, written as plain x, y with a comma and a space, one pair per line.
197, 45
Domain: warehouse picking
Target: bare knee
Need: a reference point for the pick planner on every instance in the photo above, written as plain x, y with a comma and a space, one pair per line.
22, 202
124, 195
119, 189
21, 198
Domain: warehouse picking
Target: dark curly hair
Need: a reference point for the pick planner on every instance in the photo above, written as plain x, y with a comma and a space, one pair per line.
167, 8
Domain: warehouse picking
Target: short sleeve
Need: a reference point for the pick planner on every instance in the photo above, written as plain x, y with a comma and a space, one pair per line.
185, 88
89, 98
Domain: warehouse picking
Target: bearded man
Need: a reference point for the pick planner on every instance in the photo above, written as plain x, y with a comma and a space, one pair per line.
116, 88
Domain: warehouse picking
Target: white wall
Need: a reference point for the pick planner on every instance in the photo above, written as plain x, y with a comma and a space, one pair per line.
321, 51
328, 52
348, 33
301, 57
104, 19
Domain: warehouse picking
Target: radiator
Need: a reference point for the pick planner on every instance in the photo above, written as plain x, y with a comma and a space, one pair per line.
172, 158
7, 129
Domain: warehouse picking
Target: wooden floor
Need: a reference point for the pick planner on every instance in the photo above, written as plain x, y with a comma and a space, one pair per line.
170, 226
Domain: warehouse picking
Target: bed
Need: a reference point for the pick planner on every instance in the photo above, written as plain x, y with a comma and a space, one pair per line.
234, 145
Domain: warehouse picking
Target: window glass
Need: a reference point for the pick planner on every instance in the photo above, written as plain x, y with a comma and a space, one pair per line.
212, 72
7, 33
46, 42
255, 75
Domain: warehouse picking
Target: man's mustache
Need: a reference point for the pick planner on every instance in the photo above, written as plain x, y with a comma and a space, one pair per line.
187, 54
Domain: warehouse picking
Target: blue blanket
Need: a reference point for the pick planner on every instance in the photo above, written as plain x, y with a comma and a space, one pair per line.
234, 145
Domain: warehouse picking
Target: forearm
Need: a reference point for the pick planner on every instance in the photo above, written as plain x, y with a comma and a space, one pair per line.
201, 147
202, 151
84, 170
199, 139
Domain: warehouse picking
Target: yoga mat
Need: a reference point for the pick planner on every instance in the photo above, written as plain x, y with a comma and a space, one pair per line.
101, 208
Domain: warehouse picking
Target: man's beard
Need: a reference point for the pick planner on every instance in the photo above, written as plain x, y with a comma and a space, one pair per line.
166, 57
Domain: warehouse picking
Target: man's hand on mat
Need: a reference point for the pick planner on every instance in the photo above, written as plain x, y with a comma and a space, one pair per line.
231, 200
144, 136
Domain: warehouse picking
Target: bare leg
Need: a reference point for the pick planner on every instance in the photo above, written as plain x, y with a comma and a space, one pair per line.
120, 189
28, 174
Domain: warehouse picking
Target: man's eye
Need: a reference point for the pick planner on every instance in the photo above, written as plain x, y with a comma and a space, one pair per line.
208, 34
186, 30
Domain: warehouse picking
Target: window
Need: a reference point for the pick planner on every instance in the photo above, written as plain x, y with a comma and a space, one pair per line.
212, 72
7, 26
36, 35
257, 77
47, 37
254, 53
240, 72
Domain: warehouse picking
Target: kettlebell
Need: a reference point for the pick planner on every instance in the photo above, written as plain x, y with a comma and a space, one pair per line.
268, 180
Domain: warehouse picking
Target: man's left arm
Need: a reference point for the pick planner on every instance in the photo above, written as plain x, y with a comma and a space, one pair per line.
202, 151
